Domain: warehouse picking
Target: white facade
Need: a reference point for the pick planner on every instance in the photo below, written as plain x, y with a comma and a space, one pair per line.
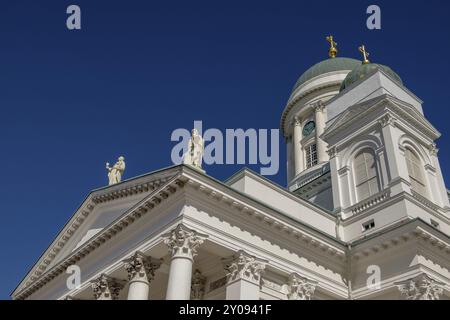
366, 215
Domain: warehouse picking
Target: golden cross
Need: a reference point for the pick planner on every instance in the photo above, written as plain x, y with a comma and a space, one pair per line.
333, 50
362, 49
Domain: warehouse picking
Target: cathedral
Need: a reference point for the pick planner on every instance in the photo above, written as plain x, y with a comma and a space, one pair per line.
365, 213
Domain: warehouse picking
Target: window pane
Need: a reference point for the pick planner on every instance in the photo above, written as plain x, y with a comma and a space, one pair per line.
365, 173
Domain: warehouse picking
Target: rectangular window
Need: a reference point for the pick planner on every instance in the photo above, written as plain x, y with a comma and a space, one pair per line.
368, 225
311, 155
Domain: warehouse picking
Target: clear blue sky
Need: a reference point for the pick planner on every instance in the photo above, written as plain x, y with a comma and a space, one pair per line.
72, 100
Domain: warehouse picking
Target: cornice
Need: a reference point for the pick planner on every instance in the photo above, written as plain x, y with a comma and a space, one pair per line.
156, 197
291, 103
396, 235
271, 217
402, 110
124, 189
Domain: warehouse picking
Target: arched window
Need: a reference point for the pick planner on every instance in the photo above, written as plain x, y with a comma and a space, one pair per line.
415, 172
366, 177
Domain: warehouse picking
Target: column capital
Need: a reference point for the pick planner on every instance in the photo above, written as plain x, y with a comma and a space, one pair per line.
183, 242
299, 288
387, 120
433, 149
296, 121
198, 285
332, 151
244, 266
141, 267
420, 287
318, 106
106, 287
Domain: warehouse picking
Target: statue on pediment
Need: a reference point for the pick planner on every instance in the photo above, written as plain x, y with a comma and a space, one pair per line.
115, 172
194, 154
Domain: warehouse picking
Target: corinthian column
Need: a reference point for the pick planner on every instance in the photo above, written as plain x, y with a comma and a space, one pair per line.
421, 287
243, 276
106, 287
297, 146
319, 119
141, 271
299, 288
183, 243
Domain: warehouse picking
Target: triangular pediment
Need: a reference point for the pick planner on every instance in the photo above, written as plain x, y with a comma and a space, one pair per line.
399, 108
99, 209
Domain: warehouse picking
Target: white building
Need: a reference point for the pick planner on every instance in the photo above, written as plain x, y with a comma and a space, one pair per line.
366, 214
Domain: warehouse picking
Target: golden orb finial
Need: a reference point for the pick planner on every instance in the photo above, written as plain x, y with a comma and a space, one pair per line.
365, 54
332, 52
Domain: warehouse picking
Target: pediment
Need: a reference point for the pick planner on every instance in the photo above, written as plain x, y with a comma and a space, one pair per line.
401, 109
99, 209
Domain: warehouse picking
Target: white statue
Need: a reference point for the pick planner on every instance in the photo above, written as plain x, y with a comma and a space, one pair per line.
194, 154
115, 173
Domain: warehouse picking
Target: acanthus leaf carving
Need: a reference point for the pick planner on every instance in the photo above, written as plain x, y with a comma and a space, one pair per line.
300, 288
244, 266
107, 288
183, 241
421, 287
141, 267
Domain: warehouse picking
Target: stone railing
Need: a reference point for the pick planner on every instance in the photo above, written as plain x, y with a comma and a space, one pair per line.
370, 202
310, 176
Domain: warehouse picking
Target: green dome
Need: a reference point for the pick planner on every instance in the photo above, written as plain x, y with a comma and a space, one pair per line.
325, 66
363, 69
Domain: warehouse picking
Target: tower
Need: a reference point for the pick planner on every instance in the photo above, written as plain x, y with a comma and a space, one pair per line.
359, 145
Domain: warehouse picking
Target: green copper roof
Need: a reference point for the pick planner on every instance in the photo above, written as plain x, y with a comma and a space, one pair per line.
363, 69
325, 66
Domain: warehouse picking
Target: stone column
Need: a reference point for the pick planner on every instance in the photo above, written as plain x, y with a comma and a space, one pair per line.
319, 119
182, 243
243, 276
299, 288
107, 288
141, 271
297, 146
421, 287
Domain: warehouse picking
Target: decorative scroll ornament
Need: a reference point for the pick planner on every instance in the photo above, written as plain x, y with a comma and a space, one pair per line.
299, 288
183, 241
421, 287
198, 285
107, 288
244, 266
433, 149
318, 106
332, 152
387, 120
141, 267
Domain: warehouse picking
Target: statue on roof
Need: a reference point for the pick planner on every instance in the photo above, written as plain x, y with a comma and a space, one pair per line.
115, 172
194, 154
